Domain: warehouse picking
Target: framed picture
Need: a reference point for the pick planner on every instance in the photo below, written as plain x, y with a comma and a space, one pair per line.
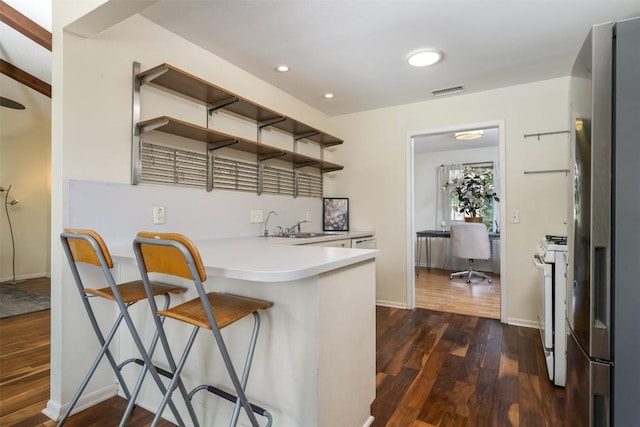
335, 214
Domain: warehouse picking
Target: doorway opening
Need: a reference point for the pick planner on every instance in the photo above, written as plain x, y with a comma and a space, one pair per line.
434, 157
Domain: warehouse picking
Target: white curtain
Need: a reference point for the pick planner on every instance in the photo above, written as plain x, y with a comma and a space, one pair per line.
440, 247
443, 215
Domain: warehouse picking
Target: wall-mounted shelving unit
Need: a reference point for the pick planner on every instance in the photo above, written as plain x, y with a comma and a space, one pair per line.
215, 98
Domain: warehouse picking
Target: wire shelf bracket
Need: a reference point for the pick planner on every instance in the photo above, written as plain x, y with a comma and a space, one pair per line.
538, 135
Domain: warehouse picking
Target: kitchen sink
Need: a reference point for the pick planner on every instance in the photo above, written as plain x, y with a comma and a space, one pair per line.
304, 235
301, 235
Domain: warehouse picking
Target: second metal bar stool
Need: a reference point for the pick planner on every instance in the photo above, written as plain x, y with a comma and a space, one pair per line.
176, 255
88, 247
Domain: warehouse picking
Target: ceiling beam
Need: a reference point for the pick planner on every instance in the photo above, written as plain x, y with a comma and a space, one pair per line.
25, 78
24, 25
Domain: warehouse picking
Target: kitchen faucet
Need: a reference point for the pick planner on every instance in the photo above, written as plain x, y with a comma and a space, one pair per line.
293, 228
266, 229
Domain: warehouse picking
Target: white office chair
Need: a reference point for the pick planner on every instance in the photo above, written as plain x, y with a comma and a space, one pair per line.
470, 241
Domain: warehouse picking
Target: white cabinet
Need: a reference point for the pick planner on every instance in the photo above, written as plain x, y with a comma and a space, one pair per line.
342, 243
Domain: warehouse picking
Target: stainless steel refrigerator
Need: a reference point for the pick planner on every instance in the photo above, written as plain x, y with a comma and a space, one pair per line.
603, 291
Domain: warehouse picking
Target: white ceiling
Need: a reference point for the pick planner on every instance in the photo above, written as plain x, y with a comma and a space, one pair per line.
29, 56
358, 49
445, 141
21, 51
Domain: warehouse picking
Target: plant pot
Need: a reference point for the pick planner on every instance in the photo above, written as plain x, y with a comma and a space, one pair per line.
473, 219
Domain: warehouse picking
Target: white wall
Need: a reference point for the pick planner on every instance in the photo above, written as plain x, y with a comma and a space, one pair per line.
376, 165
91, 143
25, 159
120, 211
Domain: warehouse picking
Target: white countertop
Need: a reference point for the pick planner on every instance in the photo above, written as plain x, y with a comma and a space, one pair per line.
270, 259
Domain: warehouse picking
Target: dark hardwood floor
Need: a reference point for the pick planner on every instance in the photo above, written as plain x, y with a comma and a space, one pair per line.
433, 369
441, 369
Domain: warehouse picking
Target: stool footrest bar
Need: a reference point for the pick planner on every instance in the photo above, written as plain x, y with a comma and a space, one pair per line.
126, 362
228, 396
161, 371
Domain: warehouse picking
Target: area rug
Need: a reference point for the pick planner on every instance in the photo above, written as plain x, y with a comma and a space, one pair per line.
15, 301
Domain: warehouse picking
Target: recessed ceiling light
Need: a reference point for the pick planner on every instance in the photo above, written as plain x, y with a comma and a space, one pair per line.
328, 95
282, 68
424, 57
469, 135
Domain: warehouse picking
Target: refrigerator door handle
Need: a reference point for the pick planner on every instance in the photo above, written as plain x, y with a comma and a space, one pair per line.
601, 303
600, 201
600, 289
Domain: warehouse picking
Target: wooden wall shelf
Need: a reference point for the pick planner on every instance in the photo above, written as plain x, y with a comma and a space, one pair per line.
216, 140
216, 98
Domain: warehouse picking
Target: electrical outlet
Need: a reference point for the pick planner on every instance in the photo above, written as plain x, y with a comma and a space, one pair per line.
515, 217
257, 216
158, 215
308, 215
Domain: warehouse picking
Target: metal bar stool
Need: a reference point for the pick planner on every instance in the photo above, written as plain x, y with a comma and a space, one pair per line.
175, 254
88, 247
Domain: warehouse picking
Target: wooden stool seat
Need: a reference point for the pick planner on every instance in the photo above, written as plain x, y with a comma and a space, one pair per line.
134, 291
228, 309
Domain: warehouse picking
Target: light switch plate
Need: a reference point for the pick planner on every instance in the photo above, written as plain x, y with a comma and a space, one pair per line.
515, 217
257, 216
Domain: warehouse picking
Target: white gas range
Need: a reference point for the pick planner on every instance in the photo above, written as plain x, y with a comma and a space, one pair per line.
551, 259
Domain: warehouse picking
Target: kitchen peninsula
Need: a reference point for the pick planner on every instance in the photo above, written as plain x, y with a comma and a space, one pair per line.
315, 358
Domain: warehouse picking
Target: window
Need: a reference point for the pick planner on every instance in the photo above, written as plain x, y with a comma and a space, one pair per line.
484, 169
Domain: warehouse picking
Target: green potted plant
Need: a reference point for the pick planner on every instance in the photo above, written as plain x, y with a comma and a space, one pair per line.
474, 191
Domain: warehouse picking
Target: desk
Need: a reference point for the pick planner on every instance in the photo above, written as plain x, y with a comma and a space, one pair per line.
427, 235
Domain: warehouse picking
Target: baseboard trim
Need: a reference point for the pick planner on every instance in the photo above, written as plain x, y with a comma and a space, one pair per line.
392, 304
25, 277
54, 410
526, 323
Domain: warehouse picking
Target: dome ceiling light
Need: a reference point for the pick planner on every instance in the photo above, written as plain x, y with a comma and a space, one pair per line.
469, 135
424, 57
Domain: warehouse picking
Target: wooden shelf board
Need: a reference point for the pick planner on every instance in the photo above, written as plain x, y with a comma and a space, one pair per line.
177, 127
295, 127
188, 130
180, 81
300, 160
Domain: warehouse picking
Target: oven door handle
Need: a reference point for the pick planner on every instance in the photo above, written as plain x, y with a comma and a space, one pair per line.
538, 262
541, 265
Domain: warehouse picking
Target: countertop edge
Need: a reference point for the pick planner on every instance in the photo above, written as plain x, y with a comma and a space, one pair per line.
291, 275
269, 260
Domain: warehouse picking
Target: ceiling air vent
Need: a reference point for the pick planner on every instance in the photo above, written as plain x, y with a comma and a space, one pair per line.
448, 91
